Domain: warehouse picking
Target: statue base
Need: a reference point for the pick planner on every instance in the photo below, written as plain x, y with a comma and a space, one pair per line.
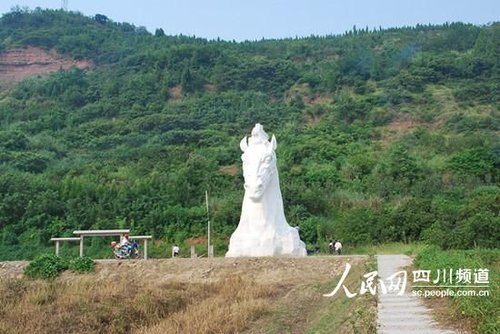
266, 243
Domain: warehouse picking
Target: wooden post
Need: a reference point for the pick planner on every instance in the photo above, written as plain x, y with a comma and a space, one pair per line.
193, 252
211, 251
81, 245
208, 224
58, 242
145, 249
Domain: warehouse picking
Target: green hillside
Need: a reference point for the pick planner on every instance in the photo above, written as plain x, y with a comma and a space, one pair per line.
387, 135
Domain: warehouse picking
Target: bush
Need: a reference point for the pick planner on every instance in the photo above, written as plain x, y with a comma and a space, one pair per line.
82, 264
46, 266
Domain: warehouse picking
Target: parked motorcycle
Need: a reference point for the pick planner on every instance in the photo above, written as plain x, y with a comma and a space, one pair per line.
129, 251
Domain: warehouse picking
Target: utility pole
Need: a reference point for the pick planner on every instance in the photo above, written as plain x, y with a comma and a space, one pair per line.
209, 250
64, 5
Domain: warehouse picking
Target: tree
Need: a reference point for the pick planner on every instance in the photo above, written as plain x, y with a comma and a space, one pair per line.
402, 166
357, 226
101, 19
478, 162
159, 32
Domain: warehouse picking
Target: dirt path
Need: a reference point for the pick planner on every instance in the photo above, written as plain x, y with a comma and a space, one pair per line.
406, 313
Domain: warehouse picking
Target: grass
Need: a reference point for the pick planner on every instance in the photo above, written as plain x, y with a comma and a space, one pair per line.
344, 315
482, 313
306, 310
387, 248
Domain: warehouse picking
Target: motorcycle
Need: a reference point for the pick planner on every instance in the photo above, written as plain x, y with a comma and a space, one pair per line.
130, 251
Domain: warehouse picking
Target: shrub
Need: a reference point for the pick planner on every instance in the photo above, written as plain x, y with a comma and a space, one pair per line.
46, 266
82, 264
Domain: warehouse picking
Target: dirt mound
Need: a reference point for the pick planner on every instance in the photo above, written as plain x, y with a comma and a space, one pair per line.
266, 269
17, 64
12, 269
263, 270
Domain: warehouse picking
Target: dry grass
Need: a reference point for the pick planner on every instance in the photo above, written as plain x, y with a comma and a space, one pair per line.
85, 306
124, 306
241, 295
230, 308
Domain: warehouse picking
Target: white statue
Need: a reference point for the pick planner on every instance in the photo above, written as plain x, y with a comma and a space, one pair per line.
263, 229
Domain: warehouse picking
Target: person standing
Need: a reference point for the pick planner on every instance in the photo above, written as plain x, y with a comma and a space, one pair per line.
175, 250
331, 246
338, 247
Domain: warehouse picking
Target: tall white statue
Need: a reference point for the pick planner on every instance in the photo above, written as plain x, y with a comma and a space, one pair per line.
263, 229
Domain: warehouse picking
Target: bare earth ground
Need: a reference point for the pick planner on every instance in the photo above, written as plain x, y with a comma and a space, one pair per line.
286, 270
262, 270
12, 269
17, 64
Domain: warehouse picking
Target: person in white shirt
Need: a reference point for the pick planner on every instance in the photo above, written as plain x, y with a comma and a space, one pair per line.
124, 240
175, 251
338, 247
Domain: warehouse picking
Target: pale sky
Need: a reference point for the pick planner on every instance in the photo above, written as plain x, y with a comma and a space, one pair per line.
255, 19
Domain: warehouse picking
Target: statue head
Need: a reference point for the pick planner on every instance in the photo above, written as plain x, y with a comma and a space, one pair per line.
259, 161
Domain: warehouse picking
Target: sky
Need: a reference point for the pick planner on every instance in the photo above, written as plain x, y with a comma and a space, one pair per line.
256, 19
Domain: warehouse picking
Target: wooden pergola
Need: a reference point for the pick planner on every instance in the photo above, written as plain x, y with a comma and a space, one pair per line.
81, 234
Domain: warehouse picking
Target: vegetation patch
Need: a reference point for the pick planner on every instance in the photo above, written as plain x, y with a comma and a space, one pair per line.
81, 264
46, 266
383, 136
49, 266
482, 312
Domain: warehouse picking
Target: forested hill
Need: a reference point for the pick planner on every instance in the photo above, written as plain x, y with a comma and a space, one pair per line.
387, 135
